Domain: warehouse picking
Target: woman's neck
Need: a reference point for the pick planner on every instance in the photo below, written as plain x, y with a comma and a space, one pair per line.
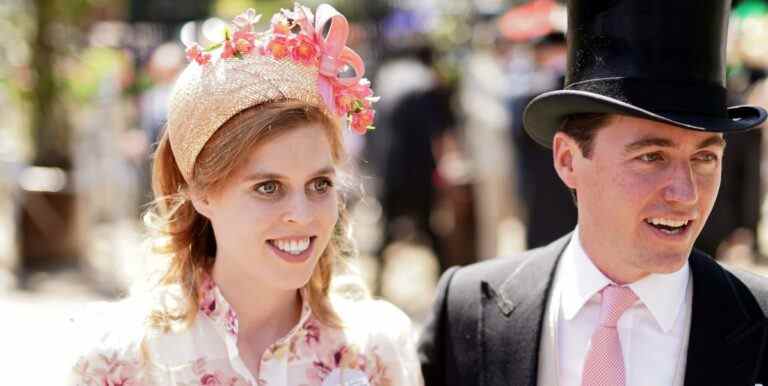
264, 312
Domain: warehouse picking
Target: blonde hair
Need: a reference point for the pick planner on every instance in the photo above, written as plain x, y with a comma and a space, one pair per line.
189, 239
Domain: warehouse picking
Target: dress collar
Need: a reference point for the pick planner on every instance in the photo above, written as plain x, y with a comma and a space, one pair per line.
662, 294
215, 306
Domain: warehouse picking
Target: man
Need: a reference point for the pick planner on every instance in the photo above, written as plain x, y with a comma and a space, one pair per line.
624, 299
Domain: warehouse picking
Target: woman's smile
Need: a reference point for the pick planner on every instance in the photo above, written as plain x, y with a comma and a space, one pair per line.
293, 249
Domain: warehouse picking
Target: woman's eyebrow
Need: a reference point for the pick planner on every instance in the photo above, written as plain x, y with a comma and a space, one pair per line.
260, 175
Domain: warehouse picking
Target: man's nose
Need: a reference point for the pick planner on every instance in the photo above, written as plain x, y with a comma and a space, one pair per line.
682, 188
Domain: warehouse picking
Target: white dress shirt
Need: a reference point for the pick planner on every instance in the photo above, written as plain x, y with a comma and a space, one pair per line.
653, 332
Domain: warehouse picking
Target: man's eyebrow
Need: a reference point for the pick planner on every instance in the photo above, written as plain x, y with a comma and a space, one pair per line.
715, 140
648, 142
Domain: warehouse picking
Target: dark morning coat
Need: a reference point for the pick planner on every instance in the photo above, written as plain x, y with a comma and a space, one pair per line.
487, 320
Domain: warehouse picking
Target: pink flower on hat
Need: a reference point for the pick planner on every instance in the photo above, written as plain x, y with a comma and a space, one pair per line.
280, 25
314, 40
195, 52
244, 41
302, 16
229, 50
246, 20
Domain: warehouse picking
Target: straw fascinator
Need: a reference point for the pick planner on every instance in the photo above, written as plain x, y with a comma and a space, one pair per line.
301, 56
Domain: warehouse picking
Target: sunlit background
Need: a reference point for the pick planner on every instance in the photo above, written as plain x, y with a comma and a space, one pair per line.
449, 176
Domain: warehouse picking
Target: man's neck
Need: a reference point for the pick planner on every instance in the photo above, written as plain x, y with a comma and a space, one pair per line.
610, 266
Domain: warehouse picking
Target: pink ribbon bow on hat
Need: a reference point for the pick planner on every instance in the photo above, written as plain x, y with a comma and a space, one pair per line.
343, 94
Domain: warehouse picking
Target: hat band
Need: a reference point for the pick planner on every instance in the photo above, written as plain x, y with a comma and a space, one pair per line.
655, 96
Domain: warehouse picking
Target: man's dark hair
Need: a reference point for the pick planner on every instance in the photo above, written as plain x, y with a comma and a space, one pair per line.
582, 128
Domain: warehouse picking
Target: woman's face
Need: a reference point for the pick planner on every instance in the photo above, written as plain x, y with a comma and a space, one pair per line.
274, 217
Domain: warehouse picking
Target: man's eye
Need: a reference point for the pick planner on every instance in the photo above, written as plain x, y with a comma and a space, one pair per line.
651, 157
706, 157
267, 188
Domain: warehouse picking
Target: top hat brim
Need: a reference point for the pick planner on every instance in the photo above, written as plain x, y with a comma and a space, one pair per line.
546, 112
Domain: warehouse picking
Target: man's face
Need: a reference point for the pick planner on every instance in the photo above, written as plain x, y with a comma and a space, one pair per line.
644, 194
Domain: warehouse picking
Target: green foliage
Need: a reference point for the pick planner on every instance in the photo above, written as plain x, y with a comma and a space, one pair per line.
227, 9
84, 78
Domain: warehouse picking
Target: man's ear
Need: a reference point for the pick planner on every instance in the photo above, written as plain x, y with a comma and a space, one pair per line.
201, 203
564, 153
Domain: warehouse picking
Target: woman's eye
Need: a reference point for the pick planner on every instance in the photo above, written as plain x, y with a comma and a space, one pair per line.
321, 185
651, 157
267, 188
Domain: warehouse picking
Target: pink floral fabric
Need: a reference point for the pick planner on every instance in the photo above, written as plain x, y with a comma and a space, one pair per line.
375, 348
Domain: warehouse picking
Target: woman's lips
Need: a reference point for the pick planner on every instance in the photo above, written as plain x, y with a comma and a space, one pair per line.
300, 257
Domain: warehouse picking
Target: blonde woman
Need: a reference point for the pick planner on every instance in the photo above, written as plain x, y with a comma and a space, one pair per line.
249, 199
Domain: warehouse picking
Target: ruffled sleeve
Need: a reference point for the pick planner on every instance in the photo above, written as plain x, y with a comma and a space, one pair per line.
390, 345
108, 339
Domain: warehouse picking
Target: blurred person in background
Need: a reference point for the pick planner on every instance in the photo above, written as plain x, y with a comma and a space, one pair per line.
731, 232
736, 212
250, 211
549, 209
417, 121
164, 65
624, 300
483, 96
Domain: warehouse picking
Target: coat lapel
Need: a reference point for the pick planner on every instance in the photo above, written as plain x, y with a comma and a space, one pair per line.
727, 336
511, 320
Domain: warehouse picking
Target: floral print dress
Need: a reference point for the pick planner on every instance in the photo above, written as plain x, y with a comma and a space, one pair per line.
375, 348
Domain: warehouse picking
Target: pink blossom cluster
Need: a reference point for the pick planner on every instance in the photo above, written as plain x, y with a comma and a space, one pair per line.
292, 35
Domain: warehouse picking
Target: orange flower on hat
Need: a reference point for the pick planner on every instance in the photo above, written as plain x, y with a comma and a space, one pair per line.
353, 98
362, 121
304, 50
279, 47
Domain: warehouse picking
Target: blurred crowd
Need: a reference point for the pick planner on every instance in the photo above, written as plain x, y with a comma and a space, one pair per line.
449, 176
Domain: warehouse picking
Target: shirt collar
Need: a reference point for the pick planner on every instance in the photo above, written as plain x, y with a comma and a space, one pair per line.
662, 294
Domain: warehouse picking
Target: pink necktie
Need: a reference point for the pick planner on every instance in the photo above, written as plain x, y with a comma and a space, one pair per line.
604, 364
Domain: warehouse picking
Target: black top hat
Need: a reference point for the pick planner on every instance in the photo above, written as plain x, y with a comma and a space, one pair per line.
656, 59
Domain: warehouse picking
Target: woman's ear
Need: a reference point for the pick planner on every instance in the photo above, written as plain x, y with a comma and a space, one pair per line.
564, 152
201, 203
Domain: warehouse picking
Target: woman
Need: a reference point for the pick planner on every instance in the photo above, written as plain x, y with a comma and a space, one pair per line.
249, 201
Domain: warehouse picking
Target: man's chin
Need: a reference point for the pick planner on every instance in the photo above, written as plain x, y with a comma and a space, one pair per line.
665, 263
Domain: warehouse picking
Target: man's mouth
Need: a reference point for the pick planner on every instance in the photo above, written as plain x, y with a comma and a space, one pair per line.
669, 226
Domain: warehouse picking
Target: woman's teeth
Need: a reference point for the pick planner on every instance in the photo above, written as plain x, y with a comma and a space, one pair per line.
668, 226
294, 247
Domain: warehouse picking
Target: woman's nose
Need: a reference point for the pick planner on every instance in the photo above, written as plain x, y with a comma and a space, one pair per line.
298, 210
